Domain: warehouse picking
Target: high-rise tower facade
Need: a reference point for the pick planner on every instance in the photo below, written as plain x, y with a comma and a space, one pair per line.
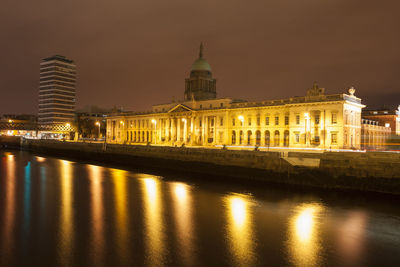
57, 90
200, 85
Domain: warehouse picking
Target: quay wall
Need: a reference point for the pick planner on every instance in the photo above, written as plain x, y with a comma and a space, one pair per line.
372, 171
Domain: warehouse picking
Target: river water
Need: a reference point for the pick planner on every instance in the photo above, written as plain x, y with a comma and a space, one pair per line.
60, 212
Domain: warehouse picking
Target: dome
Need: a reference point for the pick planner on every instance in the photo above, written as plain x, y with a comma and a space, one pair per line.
201, 64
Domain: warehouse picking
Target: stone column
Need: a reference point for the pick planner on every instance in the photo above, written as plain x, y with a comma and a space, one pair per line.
185, 125
192, 129
215, 130
178, 135
203, 127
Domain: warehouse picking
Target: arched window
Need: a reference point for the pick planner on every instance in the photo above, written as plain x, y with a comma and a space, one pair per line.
276, 138
286, 138
267, 138
249, 133
258, 138
240, 137
233, 137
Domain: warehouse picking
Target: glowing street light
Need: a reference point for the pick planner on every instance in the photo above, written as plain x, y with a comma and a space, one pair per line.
241, 119
306, 117
98, 124
10, 121
67, 125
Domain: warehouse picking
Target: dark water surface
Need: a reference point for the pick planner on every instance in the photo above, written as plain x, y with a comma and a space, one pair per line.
59, 212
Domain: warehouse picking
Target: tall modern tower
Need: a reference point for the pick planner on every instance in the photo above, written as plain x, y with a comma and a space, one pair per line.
57, 90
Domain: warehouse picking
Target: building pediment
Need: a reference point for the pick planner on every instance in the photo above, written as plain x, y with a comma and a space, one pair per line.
179, 108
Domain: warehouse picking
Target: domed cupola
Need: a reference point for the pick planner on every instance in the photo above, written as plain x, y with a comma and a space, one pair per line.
200, 85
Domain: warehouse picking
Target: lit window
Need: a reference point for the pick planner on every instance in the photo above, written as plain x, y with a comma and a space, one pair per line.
333, 138
297, 119
317, 119
221, 122
286, 120
297, 137
277, 120
266, 120
334, 118
233, 121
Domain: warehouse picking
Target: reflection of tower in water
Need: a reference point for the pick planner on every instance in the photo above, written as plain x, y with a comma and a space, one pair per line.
67, 216
240, 234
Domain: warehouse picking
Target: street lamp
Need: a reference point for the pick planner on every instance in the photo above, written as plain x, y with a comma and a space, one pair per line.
154, 122
306, 117
98, 124
241, 119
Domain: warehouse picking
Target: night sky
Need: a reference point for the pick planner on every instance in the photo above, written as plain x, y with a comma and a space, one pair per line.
137, 53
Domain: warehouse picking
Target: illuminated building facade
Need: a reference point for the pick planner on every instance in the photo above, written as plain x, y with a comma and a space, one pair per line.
57, 90
373, 135
316, 120
385, 117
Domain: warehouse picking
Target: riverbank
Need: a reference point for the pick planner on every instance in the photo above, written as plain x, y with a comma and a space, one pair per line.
369, 172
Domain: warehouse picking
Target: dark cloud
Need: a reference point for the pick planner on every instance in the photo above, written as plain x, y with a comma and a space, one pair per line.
137, 53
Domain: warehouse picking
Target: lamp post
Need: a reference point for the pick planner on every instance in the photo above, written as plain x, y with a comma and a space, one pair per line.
306, 117
154, 122
241, 119
98, 125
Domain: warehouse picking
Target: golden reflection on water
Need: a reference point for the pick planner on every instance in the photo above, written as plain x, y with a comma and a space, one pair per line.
67, 217
182, 199
40, 159
9, 205
96, 190
120, 187
352, 237
304, 239
240, 229
154, 235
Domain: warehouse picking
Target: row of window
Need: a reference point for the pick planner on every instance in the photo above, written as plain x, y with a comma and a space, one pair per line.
145, 123
57, 78
59, 83
58, 92
53, 64
57, 73
240, 139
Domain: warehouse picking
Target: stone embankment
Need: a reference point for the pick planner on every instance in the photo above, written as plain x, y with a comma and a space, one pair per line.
372, 171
